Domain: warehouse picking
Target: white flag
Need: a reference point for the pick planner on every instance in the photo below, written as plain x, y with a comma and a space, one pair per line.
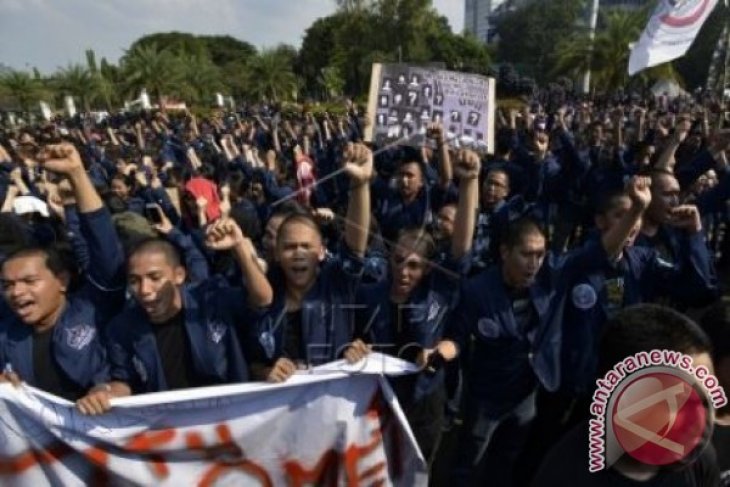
46, 111
670, 32
70, 106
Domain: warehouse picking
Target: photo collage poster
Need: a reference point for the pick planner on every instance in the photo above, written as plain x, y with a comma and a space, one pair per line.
405, 99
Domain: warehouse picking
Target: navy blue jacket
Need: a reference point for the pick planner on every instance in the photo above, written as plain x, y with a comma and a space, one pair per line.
393, 214
699, 283
76, 347
505, 360
640, 276
424, 317
327, 314
212, 310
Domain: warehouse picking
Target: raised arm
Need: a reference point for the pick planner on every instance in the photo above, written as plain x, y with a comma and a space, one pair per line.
666, 159
436, 132
639, 190
359, 166
106, 259
65, 160
224, 234
467, 171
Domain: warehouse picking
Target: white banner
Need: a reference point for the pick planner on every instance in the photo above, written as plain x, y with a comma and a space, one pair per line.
326, 426
670, 32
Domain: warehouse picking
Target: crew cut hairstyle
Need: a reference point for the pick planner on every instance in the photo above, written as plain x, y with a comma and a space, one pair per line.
297, 217
647, 327
158, 245
518, 229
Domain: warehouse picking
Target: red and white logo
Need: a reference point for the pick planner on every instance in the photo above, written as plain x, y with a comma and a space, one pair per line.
660, 418
656, 407
685, 13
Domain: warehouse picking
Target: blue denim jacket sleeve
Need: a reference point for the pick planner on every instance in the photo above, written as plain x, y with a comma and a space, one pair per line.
106, 259
195, 262
77, 240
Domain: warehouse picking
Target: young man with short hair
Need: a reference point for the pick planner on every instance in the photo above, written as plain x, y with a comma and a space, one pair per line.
311, 319
52, 340
511, 315
180, 335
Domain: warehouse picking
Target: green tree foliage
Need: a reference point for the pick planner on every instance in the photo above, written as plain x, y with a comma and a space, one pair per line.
77, 81
150, 67
608, 59
364, 32
317, 51
269, 76
226, 49
529, 36
21, 87
331, 82
201, 79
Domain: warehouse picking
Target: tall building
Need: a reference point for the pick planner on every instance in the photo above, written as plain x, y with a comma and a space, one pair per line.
477, 17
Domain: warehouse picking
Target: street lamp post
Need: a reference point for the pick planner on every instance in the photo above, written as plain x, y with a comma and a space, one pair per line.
593, 21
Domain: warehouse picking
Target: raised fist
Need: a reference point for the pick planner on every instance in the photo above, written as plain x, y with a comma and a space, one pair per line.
358, 163
467, 165
639, 190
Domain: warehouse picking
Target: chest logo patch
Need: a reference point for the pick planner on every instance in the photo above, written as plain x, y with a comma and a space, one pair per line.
78, 337
584, 296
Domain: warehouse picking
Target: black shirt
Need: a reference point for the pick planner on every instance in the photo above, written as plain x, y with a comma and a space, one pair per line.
293, 337
567, 464
524, 312
403, 335
173, 345
48, 374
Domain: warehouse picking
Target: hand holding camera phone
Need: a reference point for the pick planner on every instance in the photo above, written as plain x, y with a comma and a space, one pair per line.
153, 213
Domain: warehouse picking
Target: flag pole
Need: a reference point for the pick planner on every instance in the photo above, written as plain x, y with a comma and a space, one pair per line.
726, 41
592, 22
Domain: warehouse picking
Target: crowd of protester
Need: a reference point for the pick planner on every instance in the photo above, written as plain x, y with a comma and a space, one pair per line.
154, 251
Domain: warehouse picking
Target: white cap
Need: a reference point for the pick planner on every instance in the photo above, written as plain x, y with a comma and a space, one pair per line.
30, 204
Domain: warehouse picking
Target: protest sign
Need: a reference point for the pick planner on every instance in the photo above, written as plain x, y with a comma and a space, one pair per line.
405, 99
326, 426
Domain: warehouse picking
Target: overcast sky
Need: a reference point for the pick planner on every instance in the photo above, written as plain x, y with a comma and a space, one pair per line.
48, 34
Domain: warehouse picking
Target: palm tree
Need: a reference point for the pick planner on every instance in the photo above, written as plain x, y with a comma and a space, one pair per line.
21, 86
609, 57
78, 82
201, 78
331, 81
270, 76
152, 68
